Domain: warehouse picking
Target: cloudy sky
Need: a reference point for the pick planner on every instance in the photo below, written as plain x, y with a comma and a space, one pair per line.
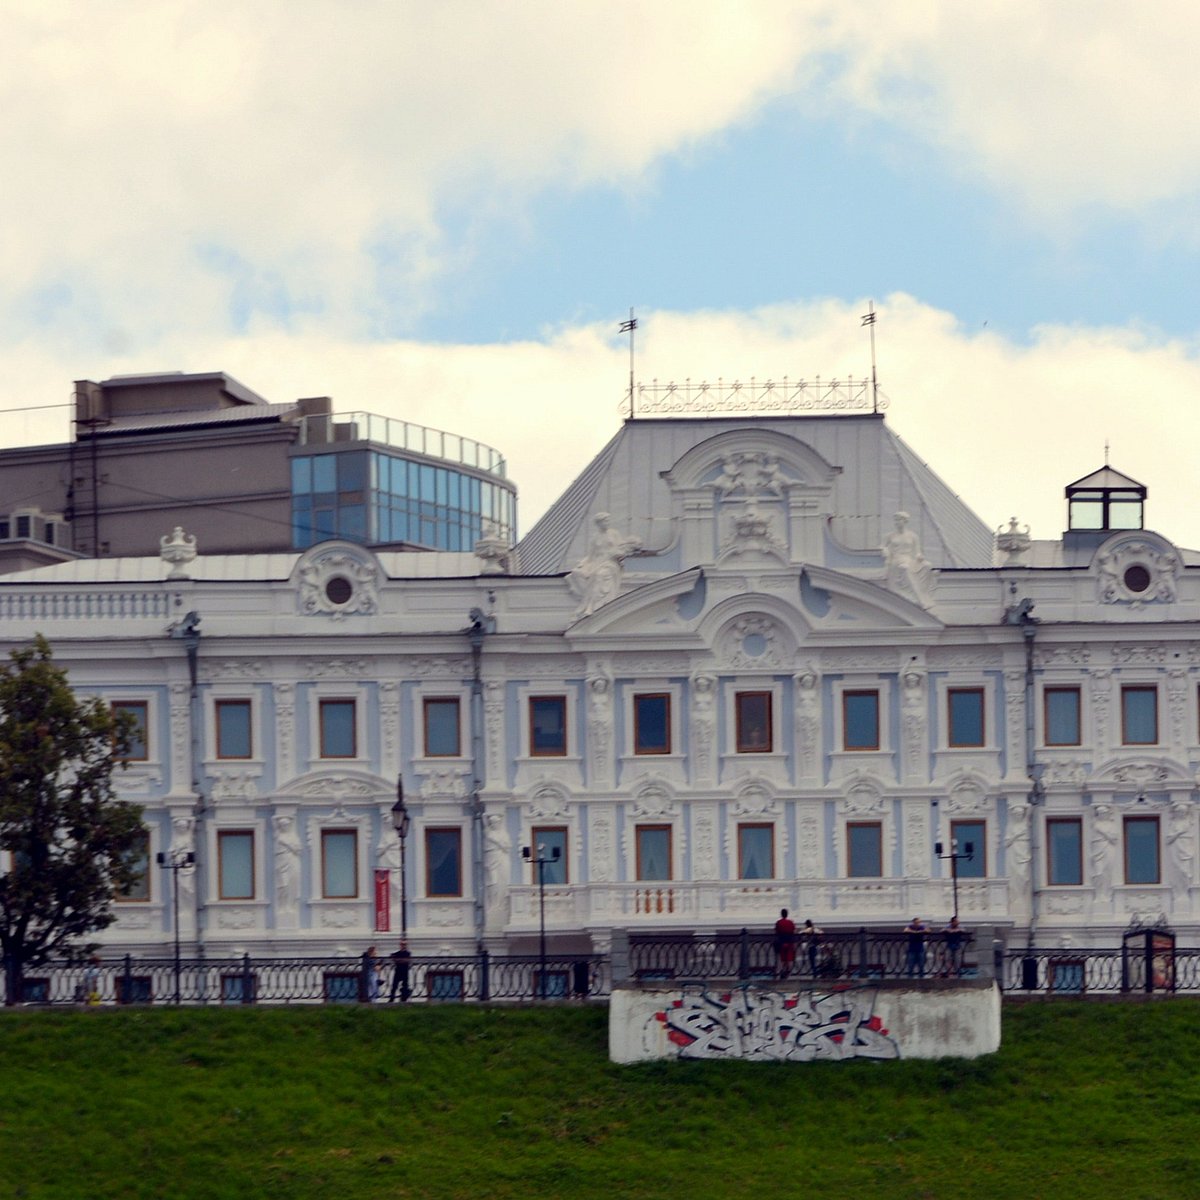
443, 211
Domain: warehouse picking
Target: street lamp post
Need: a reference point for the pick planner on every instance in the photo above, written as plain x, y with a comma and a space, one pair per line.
967, 852
175, 861
401, 821
542, 862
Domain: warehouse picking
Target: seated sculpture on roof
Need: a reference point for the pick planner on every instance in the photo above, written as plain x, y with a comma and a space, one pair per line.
908, 570
597, 578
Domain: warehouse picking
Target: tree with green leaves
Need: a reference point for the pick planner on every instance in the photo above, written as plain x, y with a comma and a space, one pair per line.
69, 844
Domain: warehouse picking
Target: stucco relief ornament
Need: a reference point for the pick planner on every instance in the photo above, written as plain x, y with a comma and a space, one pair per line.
751, 532
1136, 573
597, 578
907, 569
287, 863
178, 549
338, 584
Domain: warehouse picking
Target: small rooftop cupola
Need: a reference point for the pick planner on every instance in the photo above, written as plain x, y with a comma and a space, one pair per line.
1102, 503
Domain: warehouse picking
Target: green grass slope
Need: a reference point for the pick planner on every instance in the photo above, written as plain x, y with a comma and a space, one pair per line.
1083, 1100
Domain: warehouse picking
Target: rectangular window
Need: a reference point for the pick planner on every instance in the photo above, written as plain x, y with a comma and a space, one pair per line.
443, 862
233, 729
753, 722
860, 720
1064, 851
547, 725
653, 852
652, 724
1141, 850
864, 849
339, 864
235, 864
756, 851
1139, 716
441, 728
974, 832
1061, 706
965, 709
139, 856
139, 710
547, 839
339, 738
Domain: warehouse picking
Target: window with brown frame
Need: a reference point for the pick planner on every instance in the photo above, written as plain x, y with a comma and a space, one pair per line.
754, 730
339, 864
1064, 851
234, 736
547, 726
756, 851
442, 734
653, 852
443, 861
652, 723
860, 720
974, 832
1139, 715
1061, 716
338, 733
864, 849
964, 720
139, 741
1142, 850
235, 864
139, 856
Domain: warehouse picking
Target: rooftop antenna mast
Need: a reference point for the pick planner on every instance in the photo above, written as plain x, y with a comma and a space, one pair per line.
868, 318
628, 327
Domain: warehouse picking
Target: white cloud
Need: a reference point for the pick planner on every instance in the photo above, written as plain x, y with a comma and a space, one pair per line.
1008, 426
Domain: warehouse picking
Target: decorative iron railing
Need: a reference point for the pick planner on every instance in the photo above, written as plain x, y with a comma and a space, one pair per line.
1069, 972
764, 397
248, 980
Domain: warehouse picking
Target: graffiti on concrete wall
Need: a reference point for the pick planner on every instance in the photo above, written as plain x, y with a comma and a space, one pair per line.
795, 1026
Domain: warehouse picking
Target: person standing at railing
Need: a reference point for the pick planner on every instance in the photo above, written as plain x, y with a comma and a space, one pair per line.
915, 932
372, 968
785, 944
812, 944
955, 938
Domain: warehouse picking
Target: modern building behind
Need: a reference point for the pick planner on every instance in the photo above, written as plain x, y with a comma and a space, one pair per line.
243, 475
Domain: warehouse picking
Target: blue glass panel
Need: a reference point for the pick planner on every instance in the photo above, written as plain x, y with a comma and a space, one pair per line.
861, 711
864, 844
651, 724
353, 521
236, 854
653, 853
755, 852
1065, 847
548, 725
427, 485
966, 717
399, 526
399, 484
324, 477
337, 729
455, 482
554, 870
1139, 712
443, 854
441, 728
301, 475
324, 524
1062, 716
233, 729
351, 471
442, 483
1141, 850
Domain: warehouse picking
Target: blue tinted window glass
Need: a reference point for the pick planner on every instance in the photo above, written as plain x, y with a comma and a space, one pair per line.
1064, 852
1141, 850
443, 862
399, 526
441, 728
1139, 715
441, 477
861, 711
756, 852
864, 845
351, 471
400, 484
975, 833
301, 475
548, 725
235, 853
233, 728
651, 724
324, 524
324, 473
653, 852
455, 482
546, 841
966, 716
428, 488
353, 521
1062, 716
337, 729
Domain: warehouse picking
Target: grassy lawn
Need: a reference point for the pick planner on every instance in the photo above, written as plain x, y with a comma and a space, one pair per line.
1083, 1100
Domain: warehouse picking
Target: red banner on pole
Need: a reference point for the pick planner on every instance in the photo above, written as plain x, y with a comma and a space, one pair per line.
383, 901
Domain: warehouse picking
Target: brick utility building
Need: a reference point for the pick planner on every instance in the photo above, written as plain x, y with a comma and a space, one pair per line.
742, 663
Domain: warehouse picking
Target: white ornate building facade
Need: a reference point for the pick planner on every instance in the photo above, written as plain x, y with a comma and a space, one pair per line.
741, 664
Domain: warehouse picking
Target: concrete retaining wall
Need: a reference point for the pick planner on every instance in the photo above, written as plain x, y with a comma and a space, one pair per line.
723, 1019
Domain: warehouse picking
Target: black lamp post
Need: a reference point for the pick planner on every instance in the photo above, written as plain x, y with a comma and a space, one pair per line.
401, 820
967, 852
542, 862
175, 861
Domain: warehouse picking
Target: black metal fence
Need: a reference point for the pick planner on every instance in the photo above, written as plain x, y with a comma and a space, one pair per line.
828, 956
1123, 971
247, 980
